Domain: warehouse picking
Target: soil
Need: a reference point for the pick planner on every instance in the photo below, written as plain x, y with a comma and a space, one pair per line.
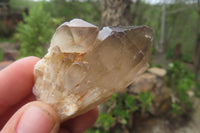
183, 125
193, 126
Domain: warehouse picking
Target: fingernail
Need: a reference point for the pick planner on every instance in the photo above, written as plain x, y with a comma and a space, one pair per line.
36, 120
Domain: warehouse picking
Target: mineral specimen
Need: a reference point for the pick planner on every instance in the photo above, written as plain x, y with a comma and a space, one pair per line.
85, 66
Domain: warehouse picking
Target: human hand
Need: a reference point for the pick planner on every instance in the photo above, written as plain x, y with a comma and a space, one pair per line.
19, 113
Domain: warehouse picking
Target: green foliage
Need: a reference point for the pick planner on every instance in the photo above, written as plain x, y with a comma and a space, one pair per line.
176, 109
159, 66
176, 73
57, 21
181, 81
178, 28
146, 100
119, 109
186, 57
153, 51
35, 32
197, 91
97, 130
6, 39
105, 120
125, 104
5, 30
22, 3
1, 54
86, 10
169, 54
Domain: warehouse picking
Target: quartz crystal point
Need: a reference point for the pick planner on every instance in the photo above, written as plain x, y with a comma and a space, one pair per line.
85, 66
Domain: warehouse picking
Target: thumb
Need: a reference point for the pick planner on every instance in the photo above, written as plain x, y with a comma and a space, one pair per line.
34, 117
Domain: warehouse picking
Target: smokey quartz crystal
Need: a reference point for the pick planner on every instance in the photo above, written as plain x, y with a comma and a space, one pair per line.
85, 66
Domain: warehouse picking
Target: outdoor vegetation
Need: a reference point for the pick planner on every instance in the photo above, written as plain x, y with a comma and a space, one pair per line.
34, 34
176, 48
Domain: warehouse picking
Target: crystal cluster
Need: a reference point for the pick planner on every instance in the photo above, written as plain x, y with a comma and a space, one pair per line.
85, 66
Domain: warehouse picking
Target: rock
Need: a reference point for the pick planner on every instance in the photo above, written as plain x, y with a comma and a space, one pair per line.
8, 46
85, 66
190, 93
147, 82
10, 55
157, 71
154, 83
10, 51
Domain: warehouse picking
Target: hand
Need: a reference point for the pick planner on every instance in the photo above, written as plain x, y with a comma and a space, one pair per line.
20, 113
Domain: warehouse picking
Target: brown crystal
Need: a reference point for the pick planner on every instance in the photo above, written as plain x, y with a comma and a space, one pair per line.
85, 66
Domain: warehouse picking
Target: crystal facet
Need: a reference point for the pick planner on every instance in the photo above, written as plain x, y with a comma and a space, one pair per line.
85, 66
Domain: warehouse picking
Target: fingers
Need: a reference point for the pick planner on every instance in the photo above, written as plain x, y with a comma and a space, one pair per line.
7, 114
81, 123
35, 117
38, 117
16, 82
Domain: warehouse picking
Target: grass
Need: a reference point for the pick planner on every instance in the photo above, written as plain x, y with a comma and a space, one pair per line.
6, 39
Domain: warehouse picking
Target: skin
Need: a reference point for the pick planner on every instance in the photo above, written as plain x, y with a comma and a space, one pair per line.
19, 112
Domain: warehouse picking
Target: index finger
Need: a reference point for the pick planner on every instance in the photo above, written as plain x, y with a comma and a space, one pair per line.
16, 82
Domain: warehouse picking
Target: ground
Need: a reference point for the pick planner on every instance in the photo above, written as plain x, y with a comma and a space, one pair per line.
158, 125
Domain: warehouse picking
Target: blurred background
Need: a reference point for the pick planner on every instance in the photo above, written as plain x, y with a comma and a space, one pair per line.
165, 99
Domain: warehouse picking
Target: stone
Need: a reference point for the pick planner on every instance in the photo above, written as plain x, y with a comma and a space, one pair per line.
10, 55
155, 84
157, 71
145, 82
85, 66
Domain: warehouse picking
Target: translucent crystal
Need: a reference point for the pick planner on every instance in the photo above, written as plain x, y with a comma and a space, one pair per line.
85, 66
